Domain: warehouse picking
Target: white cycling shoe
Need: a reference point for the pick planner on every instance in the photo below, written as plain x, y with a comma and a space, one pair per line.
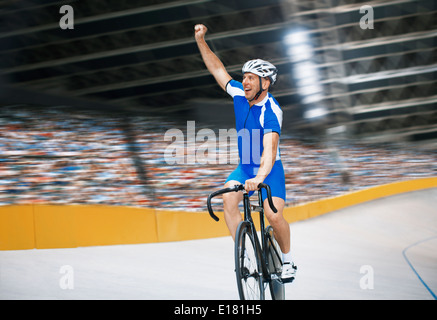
288, 272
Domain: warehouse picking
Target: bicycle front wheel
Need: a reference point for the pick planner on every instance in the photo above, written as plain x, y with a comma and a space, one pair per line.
247, 265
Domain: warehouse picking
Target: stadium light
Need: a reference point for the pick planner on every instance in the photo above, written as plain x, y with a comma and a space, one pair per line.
316, 112
305, 72
296, 36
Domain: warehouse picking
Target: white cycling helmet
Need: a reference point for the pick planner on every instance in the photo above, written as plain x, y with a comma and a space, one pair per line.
261, 68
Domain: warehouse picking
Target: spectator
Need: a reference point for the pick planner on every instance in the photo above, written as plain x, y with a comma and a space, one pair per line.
64, 156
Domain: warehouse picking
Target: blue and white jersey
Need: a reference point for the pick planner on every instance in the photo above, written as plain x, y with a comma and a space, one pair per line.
252, 123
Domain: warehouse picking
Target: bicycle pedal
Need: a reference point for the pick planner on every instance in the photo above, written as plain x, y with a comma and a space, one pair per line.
287, 280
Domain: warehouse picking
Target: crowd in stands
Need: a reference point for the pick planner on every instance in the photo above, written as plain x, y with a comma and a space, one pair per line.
64, 156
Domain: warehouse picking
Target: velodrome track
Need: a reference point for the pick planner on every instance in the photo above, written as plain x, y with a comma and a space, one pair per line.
389, 246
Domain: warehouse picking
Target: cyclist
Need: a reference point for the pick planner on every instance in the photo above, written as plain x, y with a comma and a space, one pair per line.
258, 122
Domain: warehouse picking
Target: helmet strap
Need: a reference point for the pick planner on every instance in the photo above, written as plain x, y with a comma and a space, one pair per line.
259, 92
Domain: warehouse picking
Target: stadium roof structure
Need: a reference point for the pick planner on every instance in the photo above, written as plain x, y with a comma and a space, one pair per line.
376, 65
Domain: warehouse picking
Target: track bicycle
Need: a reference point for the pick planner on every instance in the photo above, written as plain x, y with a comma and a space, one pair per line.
257, 263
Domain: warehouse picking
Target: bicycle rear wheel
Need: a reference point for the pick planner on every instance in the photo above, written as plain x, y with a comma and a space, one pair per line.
274, 265
247, 265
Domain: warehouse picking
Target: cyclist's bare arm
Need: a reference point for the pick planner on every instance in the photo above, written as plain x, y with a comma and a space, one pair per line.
212, 62
268, 158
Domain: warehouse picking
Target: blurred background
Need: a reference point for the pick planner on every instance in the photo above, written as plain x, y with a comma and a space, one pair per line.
87, 95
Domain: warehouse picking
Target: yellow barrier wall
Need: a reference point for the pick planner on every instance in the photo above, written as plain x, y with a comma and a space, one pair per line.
76, 226
115, 225
316, 208
51, 226
17, 227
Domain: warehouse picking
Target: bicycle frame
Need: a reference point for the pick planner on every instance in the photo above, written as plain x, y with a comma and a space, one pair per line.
261, 248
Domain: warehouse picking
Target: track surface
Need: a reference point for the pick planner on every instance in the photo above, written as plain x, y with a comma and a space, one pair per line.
383, 249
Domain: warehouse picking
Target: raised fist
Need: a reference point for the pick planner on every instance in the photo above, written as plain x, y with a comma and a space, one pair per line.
200, 31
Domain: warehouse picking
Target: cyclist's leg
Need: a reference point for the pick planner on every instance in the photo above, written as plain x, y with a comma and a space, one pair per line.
280, 226
230, 207
232, 199
276, 181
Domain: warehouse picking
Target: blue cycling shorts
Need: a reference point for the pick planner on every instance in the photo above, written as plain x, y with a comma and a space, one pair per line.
275, 179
